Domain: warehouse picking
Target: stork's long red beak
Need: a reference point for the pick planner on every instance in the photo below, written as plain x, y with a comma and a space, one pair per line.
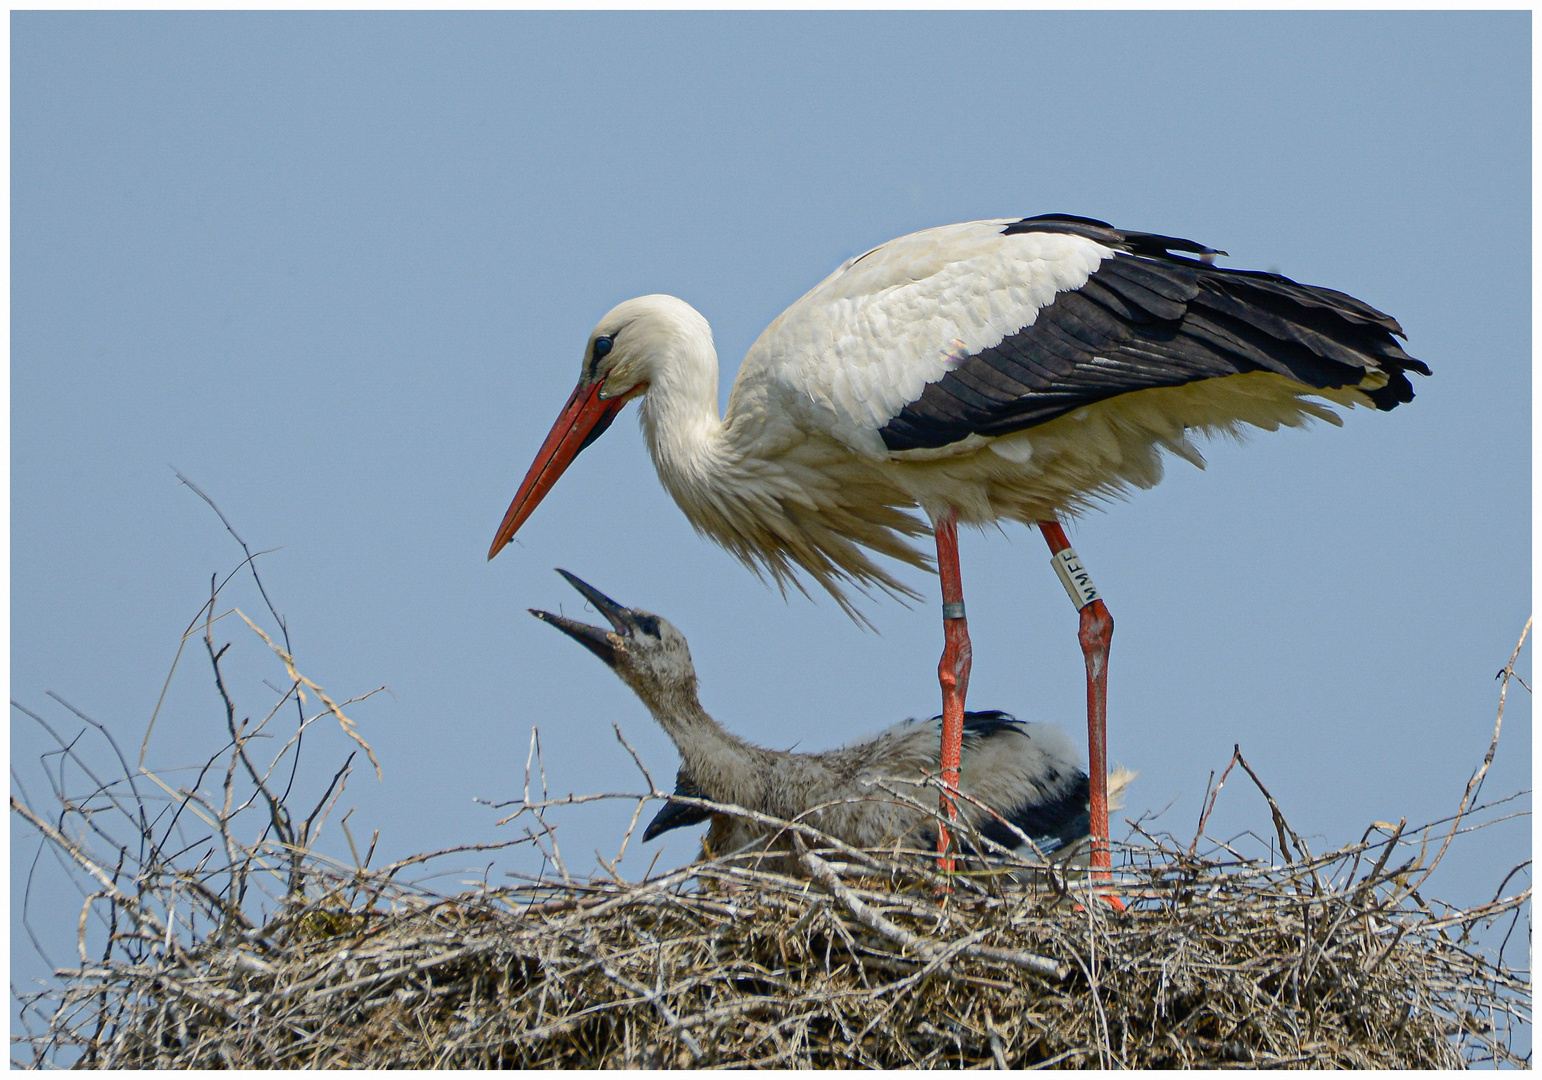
583, 419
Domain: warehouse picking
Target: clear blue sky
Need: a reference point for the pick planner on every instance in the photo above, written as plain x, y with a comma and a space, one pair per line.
339, 269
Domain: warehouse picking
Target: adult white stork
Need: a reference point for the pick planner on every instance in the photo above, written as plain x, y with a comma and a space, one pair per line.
995, 369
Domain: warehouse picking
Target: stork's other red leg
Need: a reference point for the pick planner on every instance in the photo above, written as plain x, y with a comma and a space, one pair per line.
1095, 634
953, 671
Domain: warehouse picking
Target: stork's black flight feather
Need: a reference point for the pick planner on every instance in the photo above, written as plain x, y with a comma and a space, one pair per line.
678, 815
1147, 318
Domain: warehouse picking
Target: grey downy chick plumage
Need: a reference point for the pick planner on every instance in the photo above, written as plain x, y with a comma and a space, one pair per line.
1028, 773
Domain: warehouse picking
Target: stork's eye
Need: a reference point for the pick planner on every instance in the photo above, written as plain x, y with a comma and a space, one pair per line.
602, 346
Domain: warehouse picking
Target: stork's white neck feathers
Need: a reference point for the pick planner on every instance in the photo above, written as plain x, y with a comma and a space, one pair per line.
771, 491
679, 416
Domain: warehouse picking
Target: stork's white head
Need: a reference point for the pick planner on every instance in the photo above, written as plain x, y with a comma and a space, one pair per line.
646, 650
636, 345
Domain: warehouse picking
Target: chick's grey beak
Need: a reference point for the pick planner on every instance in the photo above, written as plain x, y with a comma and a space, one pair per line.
601, 643
618, 616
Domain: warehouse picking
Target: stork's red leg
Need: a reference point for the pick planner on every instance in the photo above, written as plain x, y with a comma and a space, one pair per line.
953, 671
1097, 630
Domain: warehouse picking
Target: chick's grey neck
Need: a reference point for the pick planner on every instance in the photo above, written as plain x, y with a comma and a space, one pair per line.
723, 766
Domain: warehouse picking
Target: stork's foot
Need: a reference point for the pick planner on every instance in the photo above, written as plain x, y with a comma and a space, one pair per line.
1111, 899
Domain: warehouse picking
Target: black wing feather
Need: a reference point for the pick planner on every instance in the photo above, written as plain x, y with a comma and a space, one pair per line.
1148, 318
986, 722
678, 815
1051, 825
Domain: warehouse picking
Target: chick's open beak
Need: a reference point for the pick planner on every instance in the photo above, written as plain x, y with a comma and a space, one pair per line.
606, 644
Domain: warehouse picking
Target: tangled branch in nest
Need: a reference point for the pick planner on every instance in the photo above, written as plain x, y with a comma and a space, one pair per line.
822, 955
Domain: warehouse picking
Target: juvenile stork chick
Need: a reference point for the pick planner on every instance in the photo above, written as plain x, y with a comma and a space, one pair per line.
1027, 773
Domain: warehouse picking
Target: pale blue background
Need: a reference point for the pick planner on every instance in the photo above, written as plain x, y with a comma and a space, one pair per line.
339, 269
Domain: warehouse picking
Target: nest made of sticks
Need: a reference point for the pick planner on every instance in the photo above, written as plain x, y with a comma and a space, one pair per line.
865, 958
214, 934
